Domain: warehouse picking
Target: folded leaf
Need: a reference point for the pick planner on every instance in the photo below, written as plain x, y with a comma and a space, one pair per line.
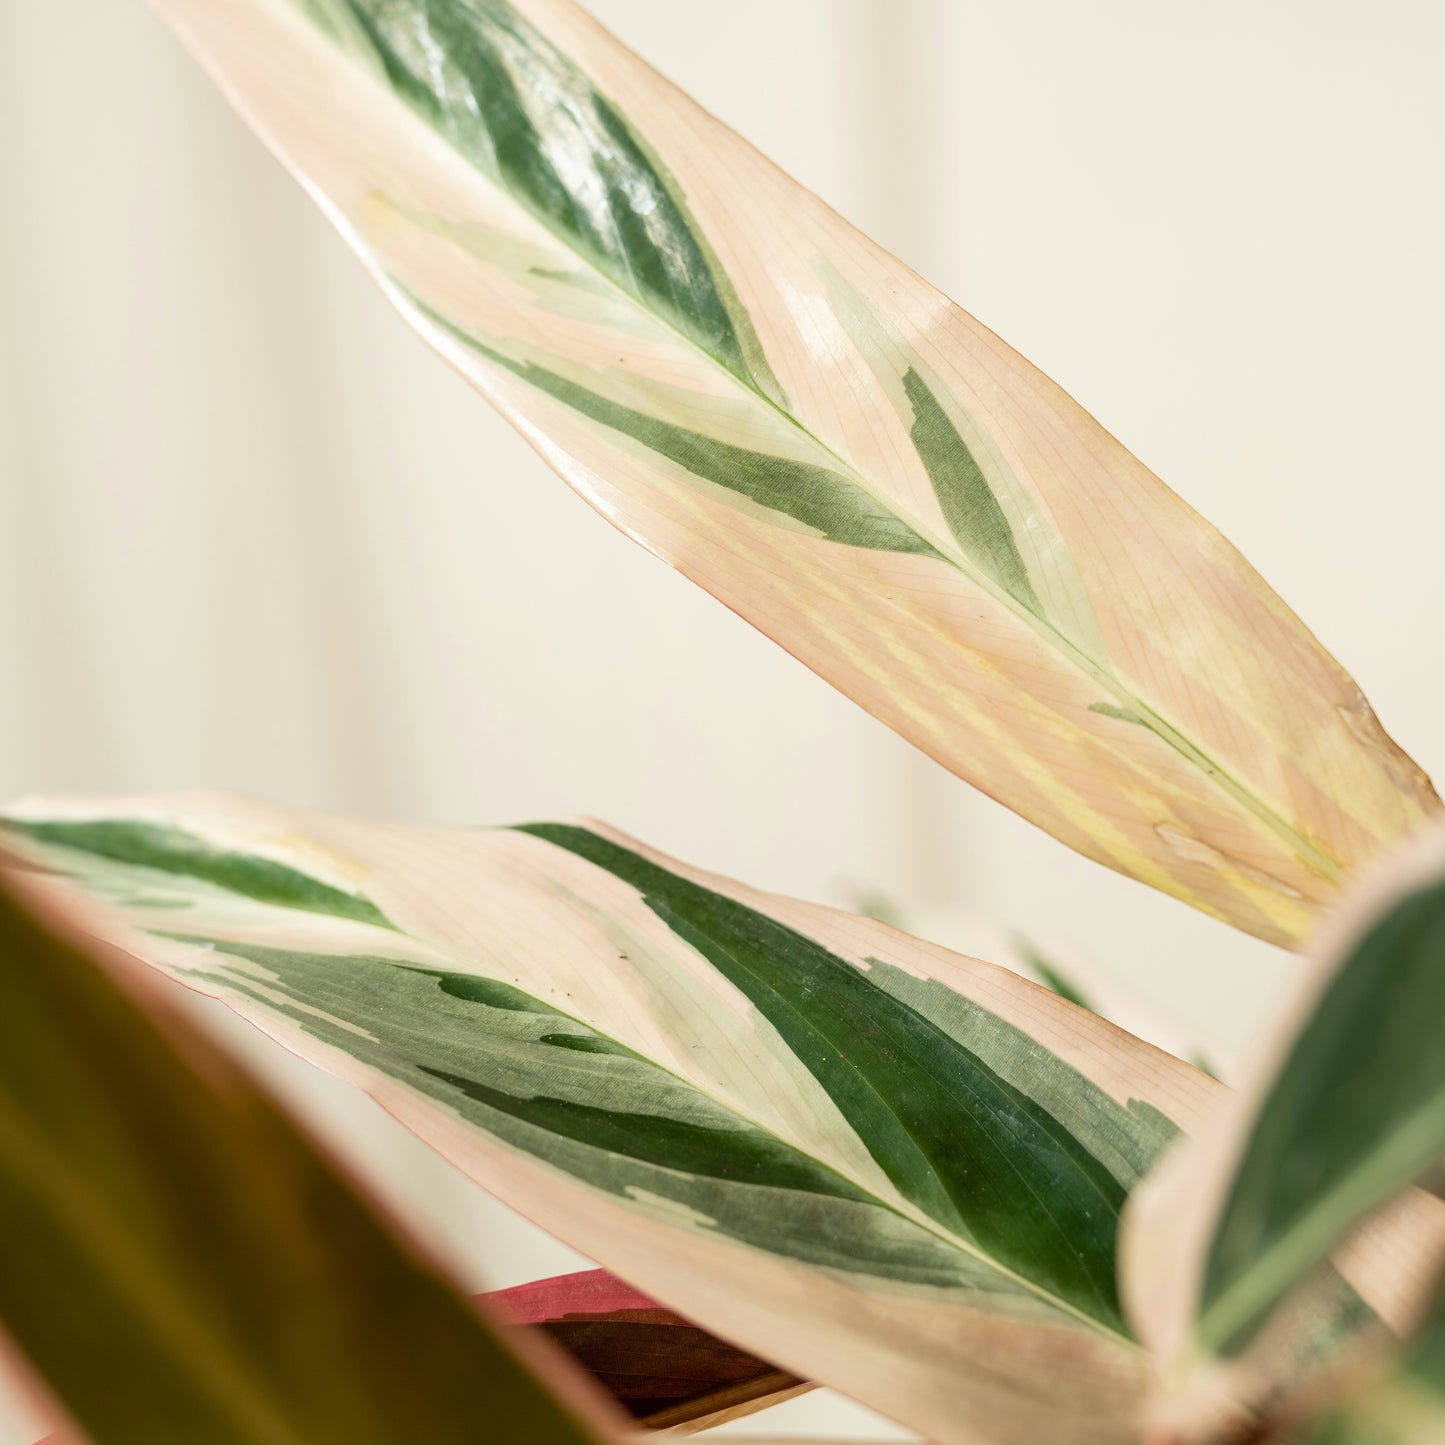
664, 1371
738, 379
1348, 1111
182, 1266
882, 1166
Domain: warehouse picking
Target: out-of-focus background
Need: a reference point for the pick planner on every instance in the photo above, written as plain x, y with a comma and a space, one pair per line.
253, 534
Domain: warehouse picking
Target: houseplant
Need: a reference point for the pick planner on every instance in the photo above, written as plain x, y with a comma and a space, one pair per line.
802, 425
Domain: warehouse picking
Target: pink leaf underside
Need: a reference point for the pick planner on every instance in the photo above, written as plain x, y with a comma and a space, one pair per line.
662, 1369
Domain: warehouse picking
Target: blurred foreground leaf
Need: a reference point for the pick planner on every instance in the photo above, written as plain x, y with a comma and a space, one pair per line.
182, 1266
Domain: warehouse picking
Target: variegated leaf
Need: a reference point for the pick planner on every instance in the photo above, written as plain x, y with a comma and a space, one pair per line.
885, 1167
738, 379
181, 1267
1346, 1111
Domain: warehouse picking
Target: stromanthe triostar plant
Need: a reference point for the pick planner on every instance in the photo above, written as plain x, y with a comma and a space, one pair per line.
839, 1154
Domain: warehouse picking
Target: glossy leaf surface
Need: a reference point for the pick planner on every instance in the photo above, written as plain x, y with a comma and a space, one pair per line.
741, 381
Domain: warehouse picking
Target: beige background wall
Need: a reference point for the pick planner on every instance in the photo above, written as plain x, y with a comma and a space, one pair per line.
252, 534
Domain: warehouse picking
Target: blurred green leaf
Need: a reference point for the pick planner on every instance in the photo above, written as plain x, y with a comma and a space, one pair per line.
181, 1265
1226, 1246
1403, 1405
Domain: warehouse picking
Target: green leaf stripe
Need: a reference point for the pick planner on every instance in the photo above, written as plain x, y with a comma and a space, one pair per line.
970, 1149
169, 850
973, 513
823, 500
524, 114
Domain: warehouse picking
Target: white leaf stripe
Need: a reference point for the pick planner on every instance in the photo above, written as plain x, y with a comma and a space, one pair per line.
535, 1011
1103, 662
